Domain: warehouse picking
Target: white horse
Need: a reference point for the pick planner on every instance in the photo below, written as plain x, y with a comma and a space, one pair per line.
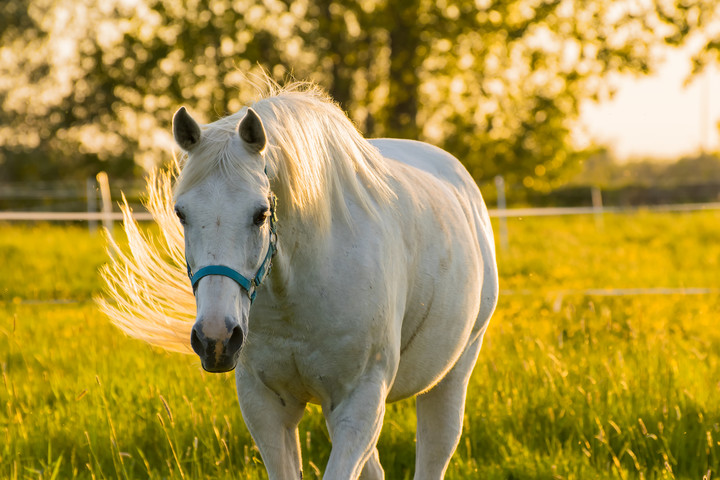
381, 288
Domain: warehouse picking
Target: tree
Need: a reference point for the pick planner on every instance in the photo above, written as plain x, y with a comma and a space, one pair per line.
88, 84
499, 83
687, 19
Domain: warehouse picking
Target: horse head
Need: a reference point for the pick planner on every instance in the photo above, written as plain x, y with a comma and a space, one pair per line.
224, 202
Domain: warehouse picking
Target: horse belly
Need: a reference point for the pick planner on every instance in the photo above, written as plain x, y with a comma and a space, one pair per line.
445, 280
440, 319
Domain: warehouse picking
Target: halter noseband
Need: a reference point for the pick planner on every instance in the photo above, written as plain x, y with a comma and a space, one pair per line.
249, 285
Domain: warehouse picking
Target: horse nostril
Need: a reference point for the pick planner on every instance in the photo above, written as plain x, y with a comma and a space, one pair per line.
235, 341
196, 343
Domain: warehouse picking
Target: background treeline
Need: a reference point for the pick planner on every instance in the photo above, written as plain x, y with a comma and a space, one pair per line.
88, 85
692, 179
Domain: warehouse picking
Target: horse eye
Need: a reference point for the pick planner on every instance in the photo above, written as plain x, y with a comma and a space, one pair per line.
260, 217
180, 215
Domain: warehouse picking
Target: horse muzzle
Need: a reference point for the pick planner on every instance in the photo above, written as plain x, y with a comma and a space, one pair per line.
218, 348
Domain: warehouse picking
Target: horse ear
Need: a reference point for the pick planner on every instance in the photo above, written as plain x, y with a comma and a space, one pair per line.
185, 130
252, 131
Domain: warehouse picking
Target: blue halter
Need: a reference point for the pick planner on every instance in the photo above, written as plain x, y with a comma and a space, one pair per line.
249, 285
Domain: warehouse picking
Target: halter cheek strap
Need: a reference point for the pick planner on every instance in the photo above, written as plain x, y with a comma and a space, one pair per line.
249, 285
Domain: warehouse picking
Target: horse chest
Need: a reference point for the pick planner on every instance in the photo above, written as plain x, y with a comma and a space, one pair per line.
303, 363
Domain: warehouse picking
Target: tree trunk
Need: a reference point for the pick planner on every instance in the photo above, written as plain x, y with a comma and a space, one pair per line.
402, 105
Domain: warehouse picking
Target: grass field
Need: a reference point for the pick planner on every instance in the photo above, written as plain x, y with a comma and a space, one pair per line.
568, 385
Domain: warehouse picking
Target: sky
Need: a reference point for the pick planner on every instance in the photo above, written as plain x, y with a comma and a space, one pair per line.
659, 116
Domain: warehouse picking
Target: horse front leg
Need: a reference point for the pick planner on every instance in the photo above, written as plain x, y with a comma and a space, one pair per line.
354, 425
272, 421
373, 470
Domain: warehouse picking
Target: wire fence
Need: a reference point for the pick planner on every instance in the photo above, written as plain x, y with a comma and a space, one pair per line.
99, 208
92, 201
97, 196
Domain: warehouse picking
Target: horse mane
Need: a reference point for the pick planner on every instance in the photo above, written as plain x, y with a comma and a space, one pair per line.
315, 157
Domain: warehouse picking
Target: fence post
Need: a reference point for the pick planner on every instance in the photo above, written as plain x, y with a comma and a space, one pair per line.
102, 179
502, 205
597, 204
91, 197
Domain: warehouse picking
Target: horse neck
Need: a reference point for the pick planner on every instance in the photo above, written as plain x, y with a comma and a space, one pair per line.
300, 246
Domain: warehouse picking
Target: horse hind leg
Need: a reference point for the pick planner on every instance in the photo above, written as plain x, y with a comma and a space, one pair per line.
440, 417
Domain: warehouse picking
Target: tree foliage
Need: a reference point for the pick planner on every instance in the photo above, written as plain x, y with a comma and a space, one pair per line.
86, 84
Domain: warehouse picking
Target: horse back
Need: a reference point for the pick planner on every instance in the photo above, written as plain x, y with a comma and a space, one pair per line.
444, 168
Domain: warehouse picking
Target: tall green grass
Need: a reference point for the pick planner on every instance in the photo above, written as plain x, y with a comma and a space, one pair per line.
568, 385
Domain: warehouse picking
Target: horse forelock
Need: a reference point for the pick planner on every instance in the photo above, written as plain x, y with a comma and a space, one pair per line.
315, 155
218, 150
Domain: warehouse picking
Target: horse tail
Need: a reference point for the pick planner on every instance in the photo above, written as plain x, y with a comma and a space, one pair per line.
147, 294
